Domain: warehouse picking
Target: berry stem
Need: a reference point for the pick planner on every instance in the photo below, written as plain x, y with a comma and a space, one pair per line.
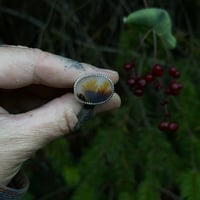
141, 64
166, 110
155, 46
143, 39
167, 52
144, 115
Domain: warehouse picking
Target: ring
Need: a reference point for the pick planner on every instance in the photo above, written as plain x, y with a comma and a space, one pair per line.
93, 89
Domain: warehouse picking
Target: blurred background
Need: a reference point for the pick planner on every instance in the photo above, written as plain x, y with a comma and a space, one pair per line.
126, 156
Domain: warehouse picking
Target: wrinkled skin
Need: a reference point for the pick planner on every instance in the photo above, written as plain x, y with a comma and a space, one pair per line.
37, 105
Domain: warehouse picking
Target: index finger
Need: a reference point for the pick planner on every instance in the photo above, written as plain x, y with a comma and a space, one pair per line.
22, 66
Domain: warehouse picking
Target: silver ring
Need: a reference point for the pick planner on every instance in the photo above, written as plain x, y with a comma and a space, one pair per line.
93, 89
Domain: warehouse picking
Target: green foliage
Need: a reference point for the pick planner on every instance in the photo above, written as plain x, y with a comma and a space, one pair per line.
112, 156
125, 196
71, 175
148, 190
58, 153
85, 191
156, 19
28, 196
165, 156
189, 185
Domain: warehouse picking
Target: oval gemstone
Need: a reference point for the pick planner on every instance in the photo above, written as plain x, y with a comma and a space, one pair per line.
93, 89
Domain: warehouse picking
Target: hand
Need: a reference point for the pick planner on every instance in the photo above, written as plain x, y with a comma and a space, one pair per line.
33, 87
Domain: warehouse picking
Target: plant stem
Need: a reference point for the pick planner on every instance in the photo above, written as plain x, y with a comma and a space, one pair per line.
167, 52
142, 40
155, 46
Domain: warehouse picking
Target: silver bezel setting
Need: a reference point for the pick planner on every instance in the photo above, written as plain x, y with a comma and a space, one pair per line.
97, 75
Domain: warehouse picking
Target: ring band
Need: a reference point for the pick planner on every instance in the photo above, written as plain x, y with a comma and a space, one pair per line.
93, 89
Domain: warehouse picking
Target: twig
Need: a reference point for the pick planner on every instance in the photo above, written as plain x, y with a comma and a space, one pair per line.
170, 194
187, 19
23, 16
40, 38
145, 3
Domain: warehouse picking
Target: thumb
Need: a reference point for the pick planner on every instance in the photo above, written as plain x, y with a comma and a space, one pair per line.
50, 121
23, 134
36, 128
58, 117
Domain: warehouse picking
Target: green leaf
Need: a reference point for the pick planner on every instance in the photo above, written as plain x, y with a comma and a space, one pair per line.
125, 196
190, 184
85, 192
156, 19
148, 191
71, 175
28, 196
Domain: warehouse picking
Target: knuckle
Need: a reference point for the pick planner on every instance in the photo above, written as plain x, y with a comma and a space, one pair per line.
37, 52
38, 56
69, 121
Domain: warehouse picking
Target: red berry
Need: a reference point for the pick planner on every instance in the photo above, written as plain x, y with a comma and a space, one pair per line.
131, 82
180, 86
137, 78
174, 72
174, 86
175, 93
138, 92
149, 78
172, 126
168, 91
157, 70
163, 125
128, 66
177, 75
141, 83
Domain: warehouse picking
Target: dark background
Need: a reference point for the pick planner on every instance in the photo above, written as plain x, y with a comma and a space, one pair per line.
121, 157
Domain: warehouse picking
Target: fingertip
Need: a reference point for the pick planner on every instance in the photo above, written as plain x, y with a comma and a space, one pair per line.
113, 75
113, 103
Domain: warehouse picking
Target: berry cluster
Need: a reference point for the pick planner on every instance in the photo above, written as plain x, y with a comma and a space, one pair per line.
138, 84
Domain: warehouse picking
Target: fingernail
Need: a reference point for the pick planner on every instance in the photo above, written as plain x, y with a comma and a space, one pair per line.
108, 71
